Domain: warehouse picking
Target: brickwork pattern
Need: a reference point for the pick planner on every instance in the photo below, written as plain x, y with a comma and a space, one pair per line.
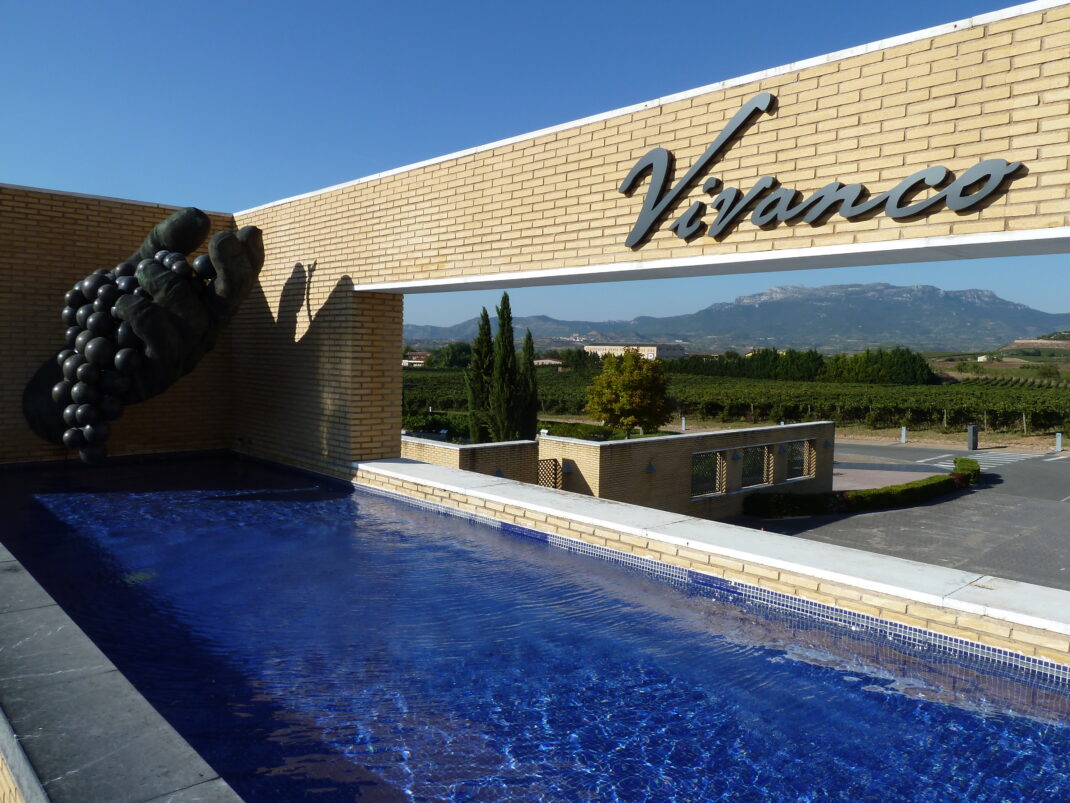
48, 241
515, 460
937, 619
995, 90
9, 792
656, 472
318, 389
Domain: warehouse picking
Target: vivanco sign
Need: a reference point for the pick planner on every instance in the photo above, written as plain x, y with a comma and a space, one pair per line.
771, 204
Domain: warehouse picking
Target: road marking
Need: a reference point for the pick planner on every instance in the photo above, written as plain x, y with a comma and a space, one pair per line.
993, 460
1053, 459
938, 457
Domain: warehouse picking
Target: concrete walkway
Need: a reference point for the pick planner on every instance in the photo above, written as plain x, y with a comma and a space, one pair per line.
869, 472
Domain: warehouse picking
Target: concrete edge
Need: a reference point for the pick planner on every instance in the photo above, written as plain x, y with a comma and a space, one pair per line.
968, 592
688, 435
458, 446
18, 764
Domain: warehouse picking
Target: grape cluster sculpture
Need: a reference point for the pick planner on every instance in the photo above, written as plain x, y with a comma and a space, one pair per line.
134, 330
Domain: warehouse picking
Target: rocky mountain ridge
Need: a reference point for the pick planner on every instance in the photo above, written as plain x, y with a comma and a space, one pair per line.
845, 317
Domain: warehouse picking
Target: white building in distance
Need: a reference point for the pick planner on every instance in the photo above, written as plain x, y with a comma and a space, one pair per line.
651, 351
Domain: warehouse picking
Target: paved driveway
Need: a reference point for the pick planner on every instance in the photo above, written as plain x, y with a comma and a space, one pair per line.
1015, 525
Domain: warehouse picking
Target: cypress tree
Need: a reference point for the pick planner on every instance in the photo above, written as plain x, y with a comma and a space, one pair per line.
504, 415
477, 378
528, 386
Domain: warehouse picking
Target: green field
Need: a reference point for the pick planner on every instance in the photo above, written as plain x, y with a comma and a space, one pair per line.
994, 406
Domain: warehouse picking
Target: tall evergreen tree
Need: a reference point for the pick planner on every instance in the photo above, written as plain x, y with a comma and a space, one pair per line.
528, 386
477, 379
504, 415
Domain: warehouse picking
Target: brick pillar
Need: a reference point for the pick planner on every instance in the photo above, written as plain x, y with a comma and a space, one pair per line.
375, 381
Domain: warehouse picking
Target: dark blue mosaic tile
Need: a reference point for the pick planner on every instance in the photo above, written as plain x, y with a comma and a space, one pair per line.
523, 532
993, 660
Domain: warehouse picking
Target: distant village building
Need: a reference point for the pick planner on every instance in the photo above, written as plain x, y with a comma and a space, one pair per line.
548, 362
415, 359
661, 351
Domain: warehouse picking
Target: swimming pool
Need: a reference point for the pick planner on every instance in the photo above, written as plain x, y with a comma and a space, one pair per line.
306, 639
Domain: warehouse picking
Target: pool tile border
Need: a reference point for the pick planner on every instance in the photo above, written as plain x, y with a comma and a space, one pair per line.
461, 497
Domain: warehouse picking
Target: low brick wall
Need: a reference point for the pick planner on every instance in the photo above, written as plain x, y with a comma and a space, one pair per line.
657, 472
966, 607
514, 460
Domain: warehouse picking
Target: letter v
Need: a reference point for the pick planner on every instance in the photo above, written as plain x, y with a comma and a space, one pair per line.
659, 162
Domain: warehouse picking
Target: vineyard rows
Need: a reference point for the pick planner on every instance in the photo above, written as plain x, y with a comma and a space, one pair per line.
994, 406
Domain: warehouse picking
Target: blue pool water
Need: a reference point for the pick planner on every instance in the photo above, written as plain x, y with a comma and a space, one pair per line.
307, 639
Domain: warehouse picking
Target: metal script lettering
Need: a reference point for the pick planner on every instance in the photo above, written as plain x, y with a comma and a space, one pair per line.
771, 204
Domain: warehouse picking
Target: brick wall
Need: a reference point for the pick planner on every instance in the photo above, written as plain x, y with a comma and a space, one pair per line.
552, 201
50, 240
514, 460
9, 792
317, 372
656, 472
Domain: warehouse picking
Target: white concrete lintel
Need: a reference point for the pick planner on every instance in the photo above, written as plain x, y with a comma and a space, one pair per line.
890, 252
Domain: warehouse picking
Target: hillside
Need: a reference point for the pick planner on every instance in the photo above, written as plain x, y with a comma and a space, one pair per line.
846, 317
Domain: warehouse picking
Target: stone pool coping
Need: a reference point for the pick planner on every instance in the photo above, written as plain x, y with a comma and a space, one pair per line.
72, 728
990, 614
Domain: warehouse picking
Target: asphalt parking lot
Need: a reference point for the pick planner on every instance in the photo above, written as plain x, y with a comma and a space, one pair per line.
1015, 524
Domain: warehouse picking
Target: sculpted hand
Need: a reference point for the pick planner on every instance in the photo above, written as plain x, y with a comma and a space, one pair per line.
137, 329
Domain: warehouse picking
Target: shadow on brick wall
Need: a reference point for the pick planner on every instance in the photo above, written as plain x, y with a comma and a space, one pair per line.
292, 393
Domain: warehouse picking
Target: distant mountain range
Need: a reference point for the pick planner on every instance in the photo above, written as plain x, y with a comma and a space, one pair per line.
841, 317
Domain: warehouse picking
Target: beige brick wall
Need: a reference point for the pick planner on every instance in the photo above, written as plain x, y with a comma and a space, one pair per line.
515, 460
9, 792
620, 470
996, 632
997, 90
317, 372
50, 240
433, 452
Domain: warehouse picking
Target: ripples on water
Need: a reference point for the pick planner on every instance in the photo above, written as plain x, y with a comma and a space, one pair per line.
320, 642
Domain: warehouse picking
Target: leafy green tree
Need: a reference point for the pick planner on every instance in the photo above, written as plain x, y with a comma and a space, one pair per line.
504, 417
452, 355
630, 392
527, 390
477, 378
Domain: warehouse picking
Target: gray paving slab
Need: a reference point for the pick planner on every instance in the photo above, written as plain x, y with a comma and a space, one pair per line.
42, 648
18, 590
125, 750
215, 791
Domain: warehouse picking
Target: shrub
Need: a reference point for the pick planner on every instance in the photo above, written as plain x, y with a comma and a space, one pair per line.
969, 468
909, 493
454, 424
570, 429
778, 505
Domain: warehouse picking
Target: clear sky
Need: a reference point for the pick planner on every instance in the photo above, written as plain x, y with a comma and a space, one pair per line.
230, 105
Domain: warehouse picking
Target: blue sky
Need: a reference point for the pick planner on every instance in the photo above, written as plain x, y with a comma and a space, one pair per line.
229, 105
